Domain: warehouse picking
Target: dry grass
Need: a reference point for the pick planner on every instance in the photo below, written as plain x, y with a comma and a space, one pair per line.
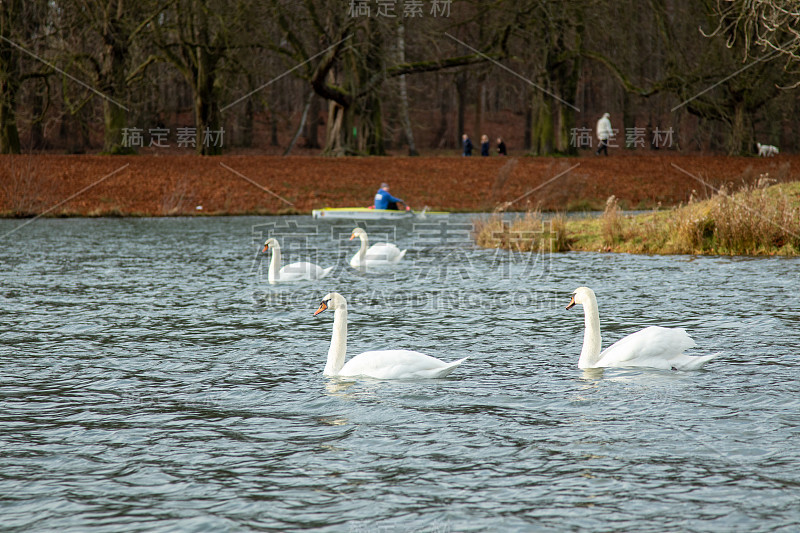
613, 222
759, 219
755, 220
23, 189
527, 233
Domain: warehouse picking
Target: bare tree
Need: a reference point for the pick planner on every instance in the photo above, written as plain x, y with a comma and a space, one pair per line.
197, 37
20, 24
773, 24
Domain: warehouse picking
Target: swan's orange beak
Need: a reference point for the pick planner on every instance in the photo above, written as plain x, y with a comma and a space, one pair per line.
266, 247
322, 307
571, 302
353, 236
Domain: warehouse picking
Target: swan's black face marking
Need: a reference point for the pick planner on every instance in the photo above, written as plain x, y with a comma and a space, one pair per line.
571, 303
323, 306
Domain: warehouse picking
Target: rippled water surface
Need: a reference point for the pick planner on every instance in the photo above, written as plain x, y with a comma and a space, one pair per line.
152, 380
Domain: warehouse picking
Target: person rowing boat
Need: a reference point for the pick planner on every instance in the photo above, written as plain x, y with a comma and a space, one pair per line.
384, 200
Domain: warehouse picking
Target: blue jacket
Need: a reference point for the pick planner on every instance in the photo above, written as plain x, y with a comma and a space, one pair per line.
382, 199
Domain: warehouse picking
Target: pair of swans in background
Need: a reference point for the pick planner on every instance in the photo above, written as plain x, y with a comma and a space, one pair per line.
377, 255
652, 347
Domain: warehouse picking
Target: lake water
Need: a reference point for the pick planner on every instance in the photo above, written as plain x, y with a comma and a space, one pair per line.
152, 380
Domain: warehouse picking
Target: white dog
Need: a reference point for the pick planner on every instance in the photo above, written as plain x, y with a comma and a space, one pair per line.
767, 150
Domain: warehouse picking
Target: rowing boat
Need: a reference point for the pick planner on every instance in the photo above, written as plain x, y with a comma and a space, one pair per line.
367, 213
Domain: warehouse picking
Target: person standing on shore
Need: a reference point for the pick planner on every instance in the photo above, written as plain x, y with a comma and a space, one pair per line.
467, 145
484, 145
501, 147
604, 133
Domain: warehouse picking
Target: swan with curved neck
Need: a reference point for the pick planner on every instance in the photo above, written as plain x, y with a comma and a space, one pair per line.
652, 347
292, 272
379, 254
380, 364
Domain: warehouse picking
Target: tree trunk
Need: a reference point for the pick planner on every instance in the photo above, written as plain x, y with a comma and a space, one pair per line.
273, 126
566, 125
480, 104
37, 129
112, 79
9, 78
312, 123
741, 140
543, 137
373, 135
566, 118
9, 87
206, 108
248, 118
404, 114
333, 131
301, 127
527, 141
628, 120
461, 102
442, 140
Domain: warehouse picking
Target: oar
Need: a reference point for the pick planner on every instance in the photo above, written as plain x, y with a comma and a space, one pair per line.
408, 208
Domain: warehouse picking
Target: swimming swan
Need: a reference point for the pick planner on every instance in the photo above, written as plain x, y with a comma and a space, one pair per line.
382, 364
293, 272
652, 347
380, 254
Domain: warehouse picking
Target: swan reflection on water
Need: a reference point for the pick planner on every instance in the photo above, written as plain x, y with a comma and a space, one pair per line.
338, 387
592, 376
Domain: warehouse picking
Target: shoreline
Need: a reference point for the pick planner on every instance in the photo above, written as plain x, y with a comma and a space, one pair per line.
240, 185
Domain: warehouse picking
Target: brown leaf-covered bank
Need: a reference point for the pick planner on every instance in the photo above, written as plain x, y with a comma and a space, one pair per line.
86, 185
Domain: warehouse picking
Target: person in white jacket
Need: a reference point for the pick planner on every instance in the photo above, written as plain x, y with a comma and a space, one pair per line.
604, 133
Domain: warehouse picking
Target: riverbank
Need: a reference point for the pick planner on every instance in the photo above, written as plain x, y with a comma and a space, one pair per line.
171, 185
758, 219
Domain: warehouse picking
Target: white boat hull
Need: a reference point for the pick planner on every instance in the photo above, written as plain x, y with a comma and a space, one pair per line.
365, 213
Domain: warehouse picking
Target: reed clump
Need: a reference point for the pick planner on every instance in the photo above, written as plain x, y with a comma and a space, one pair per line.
758, 219
613, 222
527, 233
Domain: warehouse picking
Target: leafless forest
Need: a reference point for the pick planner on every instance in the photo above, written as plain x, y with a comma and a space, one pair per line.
394, 76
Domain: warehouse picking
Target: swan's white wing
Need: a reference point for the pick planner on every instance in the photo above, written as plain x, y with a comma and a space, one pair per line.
653, 347
384, 253
302, 271
397, 364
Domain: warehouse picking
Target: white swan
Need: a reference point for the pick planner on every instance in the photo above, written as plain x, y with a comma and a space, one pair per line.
380, 254
652, 347
382, 364
292, 272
